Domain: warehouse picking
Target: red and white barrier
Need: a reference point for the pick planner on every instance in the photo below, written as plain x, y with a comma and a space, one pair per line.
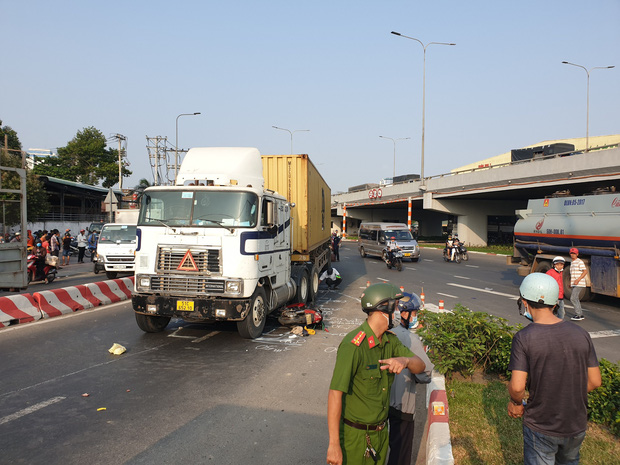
20, 308
60, 301
438, 445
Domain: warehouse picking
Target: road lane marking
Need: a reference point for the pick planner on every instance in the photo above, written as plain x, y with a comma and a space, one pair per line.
204, 338
31, 409
447, 295
174, 334
409, 268
461, 277
382, 279
606, 333
488, 291
473, 266
125, 356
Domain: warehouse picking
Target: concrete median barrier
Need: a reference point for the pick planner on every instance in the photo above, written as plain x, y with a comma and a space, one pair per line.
16, 309
47, 304
438, 445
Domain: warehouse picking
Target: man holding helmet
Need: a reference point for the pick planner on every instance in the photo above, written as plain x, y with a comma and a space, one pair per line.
402, 397
557, 361
359, 393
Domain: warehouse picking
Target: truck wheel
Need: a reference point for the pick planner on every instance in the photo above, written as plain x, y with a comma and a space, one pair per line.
543, 267
111, 274
362, 252
152, 323
314, 283
303, 288
252, 326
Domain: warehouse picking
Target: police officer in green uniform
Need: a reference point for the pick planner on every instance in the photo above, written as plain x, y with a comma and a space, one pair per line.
359, 393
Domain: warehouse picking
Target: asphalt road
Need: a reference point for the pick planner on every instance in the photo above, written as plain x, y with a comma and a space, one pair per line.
201, 394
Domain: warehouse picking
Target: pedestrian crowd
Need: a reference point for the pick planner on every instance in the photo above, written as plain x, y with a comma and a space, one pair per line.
56, 245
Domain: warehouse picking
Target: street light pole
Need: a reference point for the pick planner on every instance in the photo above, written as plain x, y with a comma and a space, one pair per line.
394, 141
176, 144
291, 133
423, 91
588, 96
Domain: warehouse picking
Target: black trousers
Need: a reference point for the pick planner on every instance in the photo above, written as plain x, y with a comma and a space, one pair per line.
333, 282
81, 251
401, 438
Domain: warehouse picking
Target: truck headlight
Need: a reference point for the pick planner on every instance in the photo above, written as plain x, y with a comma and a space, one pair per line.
100, 258
144, 281
234, 287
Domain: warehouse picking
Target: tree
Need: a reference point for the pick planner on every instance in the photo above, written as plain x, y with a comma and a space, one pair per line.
85, 159
37, 203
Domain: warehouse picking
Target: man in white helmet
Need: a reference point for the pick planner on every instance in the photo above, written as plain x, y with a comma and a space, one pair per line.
557, 361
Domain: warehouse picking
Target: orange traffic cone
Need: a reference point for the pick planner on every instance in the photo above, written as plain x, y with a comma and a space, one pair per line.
441, 305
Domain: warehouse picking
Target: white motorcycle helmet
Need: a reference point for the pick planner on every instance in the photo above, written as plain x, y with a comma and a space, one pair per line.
540, 288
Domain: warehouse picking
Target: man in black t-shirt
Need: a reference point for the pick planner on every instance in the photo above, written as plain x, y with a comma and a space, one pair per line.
555, 360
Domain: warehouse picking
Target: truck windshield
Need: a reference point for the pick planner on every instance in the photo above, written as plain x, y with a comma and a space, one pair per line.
115, 233
399, 234
209, 209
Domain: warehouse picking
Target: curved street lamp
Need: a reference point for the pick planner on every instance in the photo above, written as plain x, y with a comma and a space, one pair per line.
291, 133
423, 90
176, 144
588, 96
394, 141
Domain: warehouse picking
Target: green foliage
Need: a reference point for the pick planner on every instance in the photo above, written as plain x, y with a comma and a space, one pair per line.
604, 402
85, 159
464, 341
36, 197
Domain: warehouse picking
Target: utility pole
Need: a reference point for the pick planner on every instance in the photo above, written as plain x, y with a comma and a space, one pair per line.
120, 138
156, 147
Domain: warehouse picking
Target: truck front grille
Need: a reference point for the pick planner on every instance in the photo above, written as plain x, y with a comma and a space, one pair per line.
170, 258
120, 258
191, 285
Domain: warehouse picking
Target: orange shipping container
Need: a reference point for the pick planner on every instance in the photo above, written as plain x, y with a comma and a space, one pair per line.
297, 179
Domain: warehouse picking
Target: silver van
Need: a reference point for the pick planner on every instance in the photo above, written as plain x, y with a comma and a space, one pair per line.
372, 238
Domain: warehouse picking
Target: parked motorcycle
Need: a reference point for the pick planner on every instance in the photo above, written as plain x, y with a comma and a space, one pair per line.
395, 260
49, 270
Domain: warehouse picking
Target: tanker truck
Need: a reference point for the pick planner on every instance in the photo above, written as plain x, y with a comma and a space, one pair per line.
550, 227
237, 237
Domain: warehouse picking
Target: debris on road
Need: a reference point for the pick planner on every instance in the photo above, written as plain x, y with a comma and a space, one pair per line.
117, 349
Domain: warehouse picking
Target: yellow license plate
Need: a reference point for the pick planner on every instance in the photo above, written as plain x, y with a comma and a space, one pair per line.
185, 305
407, 255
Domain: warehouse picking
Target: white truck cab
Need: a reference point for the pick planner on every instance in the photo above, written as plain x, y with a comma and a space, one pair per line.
116, 248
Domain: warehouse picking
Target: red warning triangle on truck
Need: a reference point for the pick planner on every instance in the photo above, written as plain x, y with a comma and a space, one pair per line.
187, 263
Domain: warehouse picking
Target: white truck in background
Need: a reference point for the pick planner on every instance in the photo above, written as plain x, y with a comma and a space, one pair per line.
116, 245
237, 237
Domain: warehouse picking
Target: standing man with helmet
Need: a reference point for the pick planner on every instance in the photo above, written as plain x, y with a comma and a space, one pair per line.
578, 272
556, 360
359, 393
402, 396
557, 273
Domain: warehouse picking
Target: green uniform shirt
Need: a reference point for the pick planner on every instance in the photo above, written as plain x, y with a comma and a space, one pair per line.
358, 374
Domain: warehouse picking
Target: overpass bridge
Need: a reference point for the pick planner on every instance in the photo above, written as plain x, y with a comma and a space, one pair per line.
470, 198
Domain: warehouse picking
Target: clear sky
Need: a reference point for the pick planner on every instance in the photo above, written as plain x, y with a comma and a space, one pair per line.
332, 67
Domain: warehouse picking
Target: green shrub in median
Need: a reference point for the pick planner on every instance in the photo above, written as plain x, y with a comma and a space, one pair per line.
604, 402
463, 341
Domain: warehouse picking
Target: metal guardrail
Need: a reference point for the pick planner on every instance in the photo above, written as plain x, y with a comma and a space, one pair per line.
501, 165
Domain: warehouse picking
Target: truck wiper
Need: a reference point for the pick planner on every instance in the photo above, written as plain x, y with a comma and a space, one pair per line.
148, 218
219, 223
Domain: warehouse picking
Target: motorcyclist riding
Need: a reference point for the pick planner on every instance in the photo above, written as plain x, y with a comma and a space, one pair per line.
455, 246
391, 246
